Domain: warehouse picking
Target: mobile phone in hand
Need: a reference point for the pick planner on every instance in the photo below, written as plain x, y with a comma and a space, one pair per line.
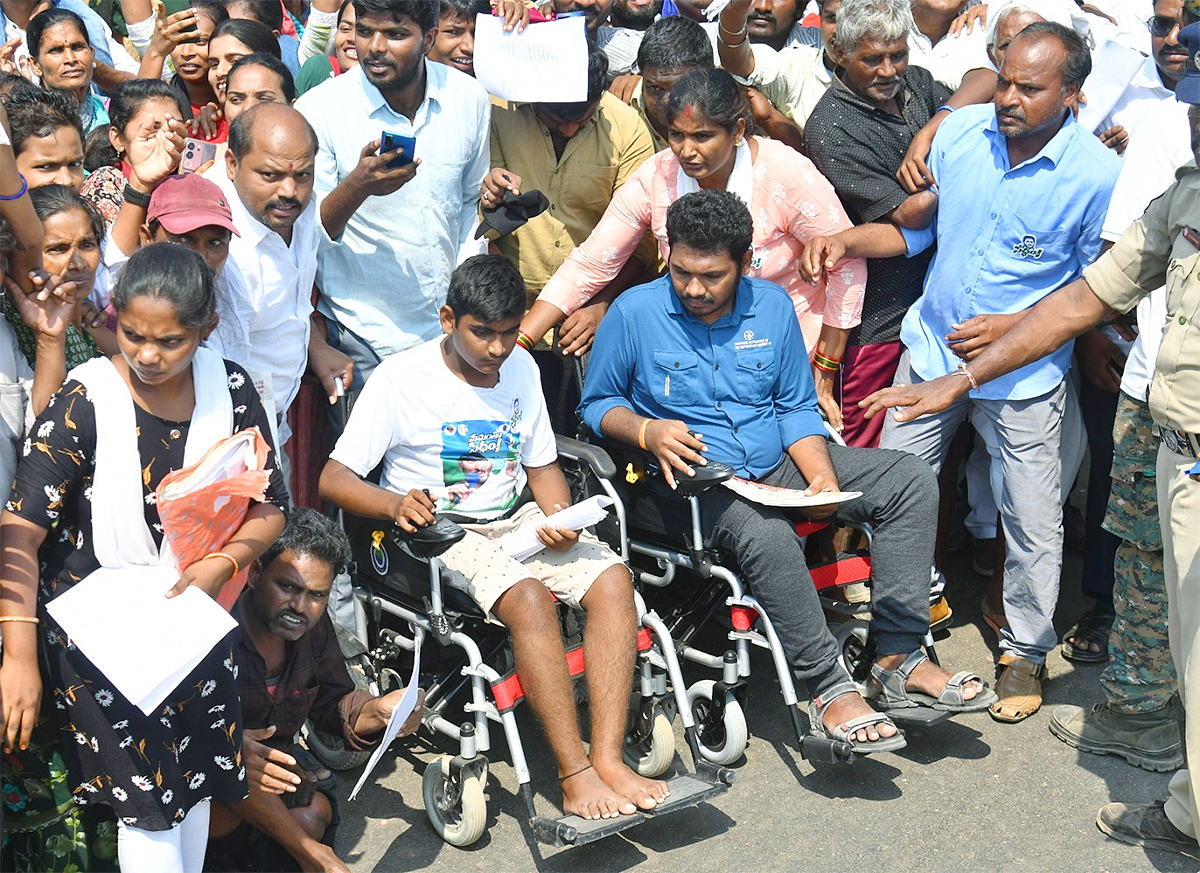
389, 142
197, 154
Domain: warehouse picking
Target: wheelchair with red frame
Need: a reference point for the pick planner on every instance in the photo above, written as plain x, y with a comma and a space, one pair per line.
401, 603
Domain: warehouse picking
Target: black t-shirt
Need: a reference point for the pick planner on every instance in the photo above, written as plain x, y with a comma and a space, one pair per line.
858, 148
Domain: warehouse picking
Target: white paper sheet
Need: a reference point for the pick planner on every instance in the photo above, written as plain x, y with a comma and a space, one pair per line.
523, 544
143, 643
772, 495
545, 64
402, 711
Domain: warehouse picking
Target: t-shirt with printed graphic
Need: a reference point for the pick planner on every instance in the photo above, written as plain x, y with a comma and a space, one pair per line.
468, 446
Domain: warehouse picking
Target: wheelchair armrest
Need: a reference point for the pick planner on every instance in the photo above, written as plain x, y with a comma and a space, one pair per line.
600, 462
431, 540
711, 474
708, 476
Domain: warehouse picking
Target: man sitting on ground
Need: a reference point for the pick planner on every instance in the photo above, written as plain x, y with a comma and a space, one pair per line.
460, 423
706, 362
291, 669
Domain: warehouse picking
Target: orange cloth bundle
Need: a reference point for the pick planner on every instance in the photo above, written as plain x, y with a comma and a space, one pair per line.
201, 506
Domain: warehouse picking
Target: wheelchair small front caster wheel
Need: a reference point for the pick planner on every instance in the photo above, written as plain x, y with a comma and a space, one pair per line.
649, 746
723, 737
454, 802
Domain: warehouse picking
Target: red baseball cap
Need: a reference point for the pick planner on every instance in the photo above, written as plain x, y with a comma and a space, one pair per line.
184, 203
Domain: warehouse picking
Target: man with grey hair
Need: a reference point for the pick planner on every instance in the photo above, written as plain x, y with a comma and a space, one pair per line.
857, 135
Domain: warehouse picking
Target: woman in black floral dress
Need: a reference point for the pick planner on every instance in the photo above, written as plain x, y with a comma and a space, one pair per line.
157, 772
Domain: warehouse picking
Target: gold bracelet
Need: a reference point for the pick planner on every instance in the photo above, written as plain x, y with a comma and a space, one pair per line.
962, 368
228, 557
642, 434
32, 619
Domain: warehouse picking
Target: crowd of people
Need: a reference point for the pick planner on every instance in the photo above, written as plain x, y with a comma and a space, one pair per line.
938, 252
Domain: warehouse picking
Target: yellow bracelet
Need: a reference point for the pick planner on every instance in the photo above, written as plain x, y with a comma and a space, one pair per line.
642, 434
32, 619
230, 558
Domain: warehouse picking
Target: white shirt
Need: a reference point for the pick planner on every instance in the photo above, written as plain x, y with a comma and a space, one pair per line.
16, 388
385, 277
1128, 91
1147, 171
467, 446
279, 283
798, 35
793, 79
952, 57
621, 44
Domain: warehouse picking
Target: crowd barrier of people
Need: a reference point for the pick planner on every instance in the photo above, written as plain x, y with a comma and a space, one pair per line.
813, 294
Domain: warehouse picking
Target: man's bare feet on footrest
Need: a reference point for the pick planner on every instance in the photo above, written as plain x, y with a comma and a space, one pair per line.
645, 793
586, 795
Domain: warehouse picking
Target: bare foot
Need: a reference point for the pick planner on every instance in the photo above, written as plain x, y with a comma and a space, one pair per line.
849, 706
929, 678
586, 795
646, 793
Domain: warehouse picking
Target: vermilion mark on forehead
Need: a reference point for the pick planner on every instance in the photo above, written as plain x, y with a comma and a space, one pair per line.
687, 111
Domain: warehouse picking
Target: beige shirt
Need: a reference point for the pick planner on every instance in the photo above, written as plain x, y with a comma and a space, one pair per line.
793, 79
635, 100
1153, 252
594, 165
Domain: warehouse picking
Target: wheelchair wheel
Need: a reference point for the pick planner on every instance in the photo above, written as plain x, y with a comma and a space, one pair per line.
854, 648
331, 749
722, 741
649, 749
454, 802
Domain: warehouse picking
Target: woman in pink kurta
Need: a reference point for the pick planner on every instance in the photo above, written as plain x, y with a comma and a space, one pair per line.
790, 201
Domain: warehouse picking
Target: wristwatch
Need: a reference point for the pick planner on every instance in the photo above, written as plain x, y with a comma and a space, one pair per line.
137, 198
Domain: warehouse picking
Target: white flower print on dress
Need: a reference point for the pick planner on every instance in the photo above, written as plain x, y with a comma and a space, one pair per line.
130, 820
125, 743
166, 722
220, 707
168, 796
53, 495
141, 782
208, 687
223, 762
104, 697
236, 380
28, 448
95, 745
87, 494
45, 429
196, 781
120, 794
121, 725
219, 723
89, 787
183, 744
81, 739
151, 499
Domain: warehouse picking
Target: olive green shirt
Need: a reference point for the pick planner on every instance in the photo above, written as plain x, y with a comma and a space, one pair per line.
1154, 252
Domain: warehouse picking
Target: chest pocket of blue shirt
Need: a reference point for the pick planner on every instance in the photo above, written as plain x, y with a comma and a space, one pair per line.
676, 378
755, 374
1032, 250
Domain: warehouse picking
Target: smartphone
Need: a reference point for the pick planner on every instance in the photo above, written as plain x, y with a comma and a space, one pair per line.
197, 155
173, 6
389, 142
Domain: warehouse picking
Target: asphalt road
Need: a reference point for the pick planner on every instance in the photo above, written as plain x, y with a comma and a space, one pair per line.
968, 794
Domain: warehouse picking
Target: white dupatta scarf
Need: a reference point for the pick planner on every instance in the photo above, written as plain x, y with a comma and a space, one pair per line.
120, 537
741, 177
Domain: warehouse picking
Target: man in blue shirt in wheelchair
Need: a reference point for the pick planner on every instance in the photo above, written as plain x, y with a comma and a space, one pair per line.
707, 362
460, 424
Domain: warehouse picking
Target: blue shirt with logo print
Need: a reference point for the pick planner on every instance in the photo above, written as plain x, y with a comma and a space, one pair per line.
743, 383
1006, 237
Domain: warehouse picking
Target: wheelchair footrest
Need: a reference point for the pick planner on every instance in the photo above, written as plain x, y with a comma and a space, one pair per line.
571, 830
921, 716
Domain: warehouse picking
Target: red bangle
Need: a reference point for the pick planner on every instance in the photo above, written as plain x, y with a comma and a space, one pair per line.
525, 341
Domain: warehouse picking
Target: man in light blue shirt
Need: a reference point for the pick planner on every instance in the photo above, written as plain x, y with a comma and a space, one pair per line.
1022, 195
394, 235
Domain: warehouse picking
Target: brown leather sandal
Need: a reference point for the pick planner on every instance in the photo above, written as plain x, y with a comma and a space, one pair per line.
1019, 688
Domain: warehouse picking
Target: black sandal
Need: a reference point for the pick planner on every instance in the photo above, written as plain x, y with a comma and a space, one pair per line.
1092, 628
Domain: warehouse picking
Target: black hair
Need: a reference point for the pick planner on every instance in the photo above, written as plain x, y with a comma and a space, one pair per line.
716, 94
43, 21
272, 63
675, 43
486, 287
711, 221
241, 132
8, 242
1078, 62
311, 535
214, 9
425, 13
342, 9
268, 12
172, 273
597, 76
128, 98
465, 8
34, 111
255, 35
98, 150
50, 200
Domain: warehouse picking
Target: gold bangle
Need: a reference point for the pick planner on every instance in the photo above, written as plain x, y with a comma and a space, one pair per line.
230, 558
642, 434
32, 619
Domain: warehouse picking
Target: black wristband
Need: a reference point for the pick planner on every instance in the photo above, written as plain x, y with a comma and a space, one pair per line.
137, 198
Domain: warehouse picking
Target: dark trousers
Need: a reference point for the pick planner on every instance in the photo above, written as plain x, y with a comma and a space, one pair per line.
899, 501
1099, 410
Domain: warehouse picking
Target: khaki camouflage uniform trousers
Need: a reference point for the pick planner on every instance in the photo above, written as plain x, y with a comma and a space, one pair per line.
1140, 676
